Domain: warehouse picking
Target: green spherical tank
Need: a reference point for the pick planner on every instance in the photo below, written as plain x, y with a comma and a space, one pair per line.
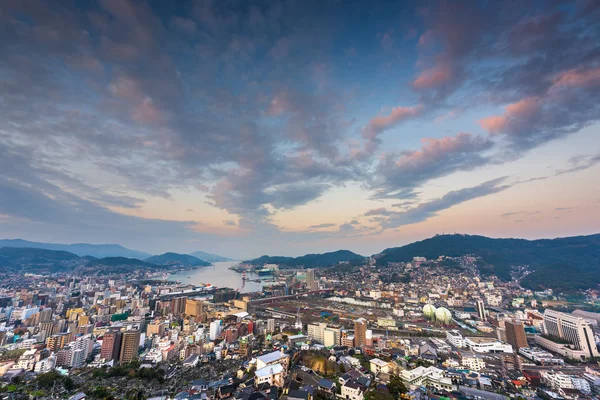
429, 311
443, 315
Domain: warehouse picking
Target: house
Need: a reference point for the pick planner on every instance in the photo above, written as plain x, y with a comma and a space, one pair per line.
327, 386
298, 395
353, 391
225, 391
276, 357
379, 366
273, 374
349, 360
348, 376
78, 396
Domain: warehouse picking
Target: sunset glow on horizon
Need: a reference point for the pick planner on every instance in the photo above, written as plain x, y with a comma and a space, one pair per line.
293, 127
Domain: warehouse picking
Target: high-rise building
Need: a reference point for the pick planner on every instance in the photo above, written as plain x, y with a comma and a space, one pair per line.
311, 283
360, 332
215, 329
178, 305
193, 308
155, 328
244, 346
111, 345
481, 310
515, 334
573, 329
130, 344
328, 336
270, 325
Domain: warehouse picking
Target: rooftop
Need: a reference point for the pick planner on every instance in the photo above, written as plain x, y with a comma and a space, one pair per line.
269, 370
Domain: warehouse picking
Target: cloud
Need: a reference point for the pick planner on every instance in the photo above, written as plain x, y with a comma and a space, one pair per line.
321, 226
379, 211
429, 209
563, 208
382, 123
403, 173
580, 163
567, 106
229, 222
510, 214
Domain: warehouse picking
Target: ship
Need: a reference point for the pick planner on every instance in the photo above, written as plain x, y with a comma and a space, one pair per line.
265, 271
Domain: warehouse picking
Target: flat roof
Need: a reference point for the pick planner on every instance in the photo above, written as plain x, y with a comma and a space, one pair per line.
270, 357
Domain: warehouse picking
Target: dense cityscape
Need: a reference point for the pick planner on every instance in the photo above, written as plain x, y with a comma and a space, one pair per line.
299, 200
422, 329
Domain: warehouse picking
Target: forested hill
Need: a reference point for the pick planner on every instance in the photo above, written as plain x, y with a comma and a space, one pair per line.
308, 260
549, 258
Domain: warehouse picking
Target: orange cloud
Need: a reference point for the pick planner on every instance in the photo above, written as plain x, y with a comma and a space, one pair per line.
516, 111
432, 77
381, 123
574, 78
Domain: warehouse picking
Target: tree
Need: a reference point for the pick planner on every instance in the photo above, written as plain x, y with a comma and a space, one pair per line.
378, 395
396, 386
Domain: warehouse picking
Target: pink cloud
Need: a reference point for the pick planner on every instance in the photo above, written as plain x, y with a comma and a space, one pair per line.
434, 150
575, 78
519, 111
432, 77
381, 123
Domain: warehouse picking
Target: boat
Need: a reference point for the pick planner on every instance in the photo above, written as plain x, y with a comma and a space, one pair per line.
265, 271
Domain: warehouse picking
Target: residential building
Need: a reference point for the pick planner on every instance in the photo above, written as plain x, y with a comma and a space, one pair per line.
515, 334
481, 310
573, 329
360, 332
130, 344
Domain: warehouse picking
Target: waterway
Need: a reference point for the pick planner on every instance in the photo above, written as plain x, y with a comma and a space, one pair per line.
220, 275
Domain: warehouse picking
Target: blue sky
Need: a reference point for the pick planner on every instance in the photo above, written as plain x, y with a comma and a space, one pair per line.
288, 127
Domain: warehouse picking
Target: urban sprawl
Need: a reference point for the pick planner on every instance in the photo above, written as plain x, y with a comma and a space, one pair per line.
415, 330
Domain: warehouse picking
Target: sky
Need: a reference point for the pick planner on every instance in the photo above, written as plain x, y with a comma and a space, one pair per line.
287, 127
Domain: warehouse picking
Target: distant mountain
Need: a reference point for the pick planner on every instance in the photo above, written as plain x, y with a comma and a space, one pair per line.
177, 259
308, 260
27, 259
80, 249
563, 264
209, 257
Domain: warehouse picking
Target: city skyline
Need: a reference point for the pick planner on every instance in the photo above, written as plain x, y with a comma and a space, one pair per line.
289, 128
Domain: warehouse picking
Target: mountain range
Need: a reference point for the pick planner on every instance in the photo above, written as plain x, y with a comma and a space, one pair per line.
177, 259
33, 260
308, 260
563, 264
99, 250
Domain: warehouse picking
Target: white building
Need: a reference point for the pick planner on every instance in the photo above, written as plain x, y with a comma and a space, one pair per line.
487, 345
276, 357
474, 362
324, 334
430, 376
270, 325
26, 361
352, 391
379, 366
215, 329
558, 380
573, 329
45, 365
273, 374
455, 338
540, 356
